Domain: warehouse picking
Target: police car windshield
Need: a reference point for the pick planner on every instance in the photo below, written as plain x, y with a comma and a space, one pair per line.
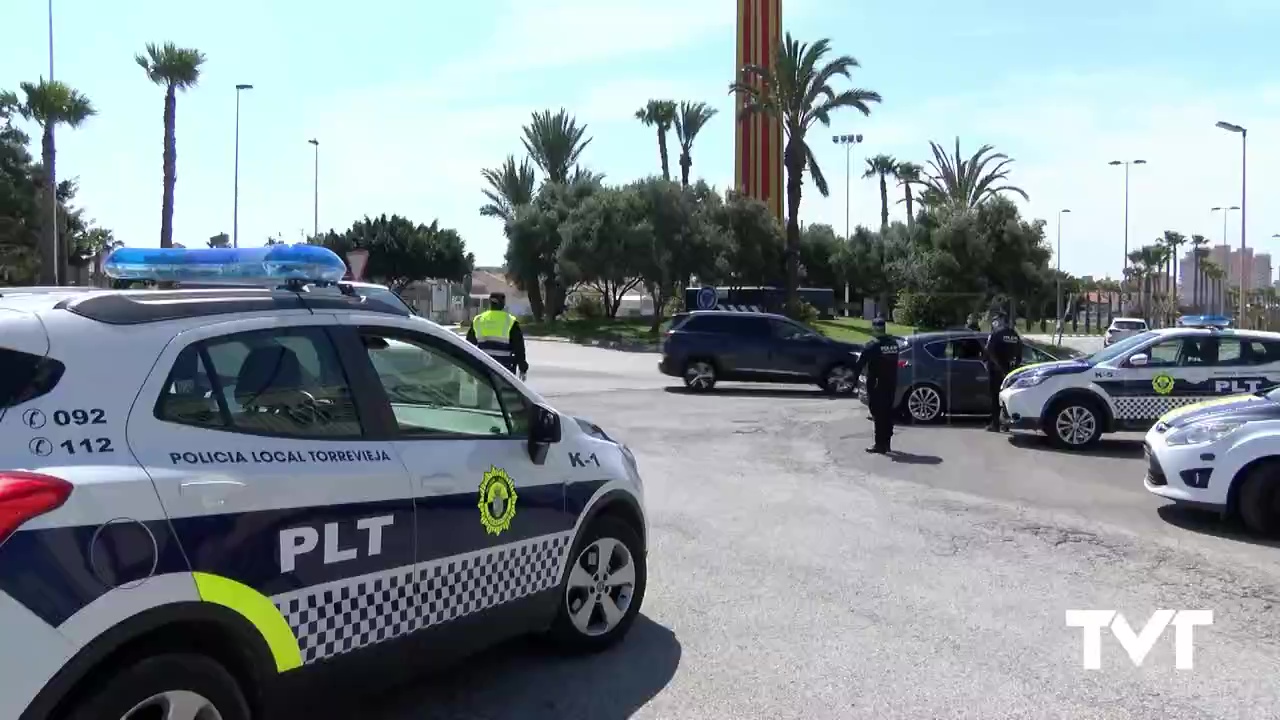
1114, 351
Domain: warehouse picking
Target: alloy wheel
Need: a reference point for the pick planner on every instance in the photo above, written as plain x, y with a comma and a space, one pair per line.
1076, 425
840, 380
174, 705
924, 404
699, 375
601, 585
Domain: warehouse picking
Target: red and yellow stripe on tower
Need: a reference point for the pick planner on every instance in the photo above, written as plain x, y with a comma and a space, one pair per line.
757, 142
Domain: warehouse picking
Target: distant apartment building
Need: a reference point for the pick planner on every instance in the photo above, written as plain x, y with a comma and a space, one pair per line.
1257, 267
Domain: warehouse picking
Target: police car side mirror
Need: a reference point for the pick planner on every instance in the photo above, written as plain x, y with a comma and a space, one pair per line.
1138, 360
544, 431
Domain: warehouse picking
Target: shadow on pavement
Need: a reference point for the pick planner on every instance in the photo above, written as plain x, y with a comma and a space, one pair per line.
774, 391
525, 680
1210, 523
907, 458
1106, 447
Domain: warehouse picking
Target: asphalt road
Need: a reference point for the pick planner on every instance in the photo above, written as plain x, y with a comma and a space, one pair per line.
794, 576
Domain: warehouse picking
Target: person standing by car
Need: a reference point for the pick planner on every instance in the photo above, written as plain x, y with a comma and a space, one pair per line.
972, 323
1003, 354
497, 332
880, 357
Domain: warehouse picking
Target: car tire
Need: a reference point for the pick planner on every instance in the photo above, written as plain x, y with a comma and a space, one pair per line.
151, 687
1074, 423
834, 376
925, 396
699, 375
1259, 500
589, 589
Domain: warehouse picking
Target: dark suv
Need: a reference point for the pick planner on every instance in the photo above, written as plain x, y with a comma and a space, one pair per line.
943, 373
706, 347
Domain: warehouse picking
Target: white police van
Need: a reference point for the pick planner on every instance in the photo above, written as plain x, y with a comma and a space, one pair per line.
1223, 456
206, 495
1130, 384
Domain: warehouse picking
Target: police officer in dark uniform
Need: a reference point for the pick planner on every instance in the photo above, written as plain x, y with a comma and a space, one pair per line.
1003, 354
880, 357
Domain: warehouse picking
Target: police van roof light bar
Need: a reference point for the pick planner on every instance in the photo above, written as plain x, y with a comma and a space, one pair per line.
291, 266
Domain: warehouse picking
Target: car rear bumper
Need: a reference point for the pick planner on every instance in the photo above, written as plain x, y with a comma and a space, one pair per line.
668, 366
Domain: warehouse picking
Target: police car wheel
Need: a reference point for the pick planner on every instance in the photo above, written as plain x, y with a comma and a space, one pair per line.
1259, 499
699, 375
603, 588
1074, 424
923, 404
839, 380
175, 686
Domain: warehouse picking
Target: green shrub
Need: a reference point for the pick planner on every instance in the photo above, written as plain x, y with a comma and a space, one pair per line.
587, 307
802, 312
925, 311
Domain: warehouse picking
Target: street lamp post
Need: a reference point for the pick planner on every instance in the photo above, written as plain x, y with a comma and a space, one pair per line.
315, 198
848, 141
1244, 154
235, 201
1058, 258
1125, 267
1226, 212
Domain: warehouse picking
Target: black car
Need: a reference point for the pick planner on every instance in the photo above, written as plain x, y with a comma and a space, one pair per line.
707, 347
942, 373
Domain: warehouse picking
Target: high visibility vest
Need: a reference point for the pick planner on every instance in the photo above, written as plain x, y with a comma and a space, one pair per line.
492, 329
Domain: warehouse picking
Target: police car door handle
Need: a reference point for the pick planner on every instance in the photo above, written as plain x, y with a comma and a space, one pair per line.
211, 492
436, 481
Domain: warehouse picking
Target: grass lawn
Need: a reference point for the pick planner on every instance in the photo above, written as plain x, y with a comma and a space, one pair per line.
636, 331
629, 330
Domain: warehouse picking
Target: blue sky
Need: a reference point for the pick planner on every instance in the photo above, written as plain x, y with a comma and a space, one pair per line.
409, 100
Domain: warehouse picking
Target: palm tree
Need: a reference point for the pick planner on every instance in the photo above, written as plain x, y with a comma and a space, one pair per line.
908, 174
554, 143
1171, 241
689, 122
50, 103
1213, 275
882, 166
174, 69
966, 184
795, 91
510, 187
1197, 254
660, 114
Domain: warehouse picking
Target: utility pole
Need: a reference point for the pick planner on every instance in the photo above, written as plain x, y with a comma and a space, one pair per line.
315, 197
1124, 275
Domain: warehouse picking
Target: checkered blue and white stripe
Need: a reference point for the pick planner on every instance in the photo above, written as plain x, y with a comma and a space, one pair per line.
348, 614
1150, 407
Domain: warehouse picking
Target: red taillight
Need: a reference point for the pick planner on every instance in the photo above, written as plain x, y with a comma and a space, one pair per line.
904, 364
24, 495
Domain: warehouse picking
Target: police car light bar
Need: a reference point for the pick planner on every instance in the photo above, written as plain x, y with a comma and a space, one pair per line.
1204, 321
274, 264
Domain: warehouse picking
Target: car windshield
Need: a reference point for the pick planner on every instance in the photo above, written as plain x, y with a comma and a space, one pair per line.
385, 295
1114, 351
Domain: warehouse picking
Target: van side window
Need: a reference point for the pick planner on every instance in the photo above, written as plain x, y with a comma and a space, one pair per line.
285, 382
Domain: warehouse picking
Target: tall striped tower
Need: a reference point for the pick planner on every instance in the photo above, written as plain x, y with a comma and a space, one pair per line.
757, 142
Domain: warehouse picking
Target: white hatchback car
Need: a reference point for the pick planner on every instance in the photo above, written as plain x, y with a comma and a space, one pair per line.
1122, 328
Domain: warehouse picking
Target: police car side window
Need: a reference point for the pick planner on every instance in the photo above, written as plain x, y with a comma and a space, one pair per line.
435, 393
1165, 353
259, 383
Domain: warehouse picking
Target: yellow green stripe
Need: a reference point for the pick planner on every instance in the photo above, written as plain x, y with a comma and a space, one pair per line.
1178, 412
259, 611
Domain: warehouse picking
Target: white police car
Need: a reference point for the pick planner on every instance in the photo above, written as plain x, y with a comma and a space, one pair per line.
1130, 384
1221, 455
206, 495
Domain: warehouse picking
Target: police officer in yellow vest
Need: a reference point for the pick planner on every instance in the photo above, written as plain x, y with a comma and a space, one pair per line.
498, 333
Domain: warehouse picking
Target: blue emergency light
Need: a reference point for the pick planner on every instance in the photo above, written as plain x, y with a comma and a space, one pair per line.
274, 264
1205, 321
